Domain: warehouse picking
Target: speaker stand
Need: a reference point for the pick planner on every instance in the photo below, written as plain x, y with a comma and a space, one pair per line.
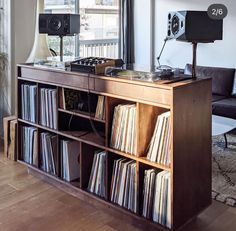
194, 64
61, 47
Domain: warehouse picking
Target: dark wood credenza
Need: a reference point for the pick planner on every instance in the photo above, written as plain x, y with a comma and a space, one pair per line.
189, 102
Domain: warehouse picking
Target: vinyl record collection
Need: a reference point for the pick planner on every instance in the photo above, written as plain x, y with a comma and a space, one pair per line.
48, 111
49, 153
70, 169
29, 148
159, 148
124, 184
97, 176
28, 102
123, 134
157, 197
100, 109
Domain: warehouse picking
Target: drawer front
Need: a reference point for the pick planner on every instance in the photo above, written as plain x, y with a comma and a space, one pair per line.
58, 78
133, 91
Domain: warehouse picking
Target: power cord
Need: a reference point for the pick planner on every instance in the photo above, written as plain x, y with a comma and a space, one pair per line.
53, 52
90, 113
69, 124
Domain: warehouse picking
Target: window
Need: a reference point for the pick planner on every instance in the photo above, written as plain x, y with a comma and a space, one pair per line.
99, 28
99, 31
61, 6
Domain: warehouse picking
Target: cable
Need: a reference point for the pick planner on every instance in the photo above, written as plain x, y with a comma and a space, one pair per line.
90, 113
54, 53
71, 117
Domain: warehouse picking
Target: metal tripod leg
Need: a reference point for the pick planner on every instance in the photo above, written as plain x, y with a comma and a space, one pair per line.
226, 142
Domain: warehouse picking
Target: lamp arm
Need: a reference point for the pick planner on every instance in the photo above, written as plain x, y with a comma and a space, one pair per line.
159, 56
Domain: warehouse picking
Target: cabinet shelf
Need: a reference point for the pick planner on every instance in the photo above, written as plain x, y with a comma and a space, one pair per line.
82, 114
38, 126
188, 104
89, 137
86, 137
143, 160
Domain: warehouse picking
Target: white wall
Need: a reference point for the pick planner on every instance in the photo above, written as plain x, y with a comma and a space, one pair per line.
24, 28
22, 36
142, 34
177, 54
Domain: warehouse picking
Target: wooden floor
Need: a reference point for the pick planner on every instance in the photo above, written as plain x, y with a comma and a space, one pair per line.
27, 203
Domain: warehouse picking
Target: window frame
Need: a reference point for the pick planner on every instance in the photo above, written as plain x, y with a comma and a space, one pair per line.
77, 37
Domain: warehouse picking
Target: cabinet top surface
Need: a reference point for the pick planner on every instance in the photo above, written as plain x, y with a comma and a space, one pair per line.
164, 84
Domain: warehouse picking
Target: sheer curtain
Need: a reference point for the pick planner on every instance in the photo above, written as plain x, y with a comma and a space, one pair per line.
4, 60
127, 31
3, 26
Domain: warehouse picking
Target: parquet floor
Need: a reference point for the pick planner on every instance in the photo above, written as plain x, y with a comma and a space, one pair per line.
28, 204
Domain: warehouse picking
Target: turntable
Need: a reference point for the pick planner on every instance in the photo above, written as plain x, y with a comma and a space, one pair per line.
160, 76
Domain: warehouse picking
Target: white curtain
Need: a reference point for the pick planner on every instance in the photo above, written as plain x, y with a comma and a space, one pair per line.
4, 60
4, 25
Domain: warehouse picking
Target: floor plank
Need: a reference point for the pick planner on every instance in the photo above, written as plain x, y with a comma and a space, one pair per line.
27, 203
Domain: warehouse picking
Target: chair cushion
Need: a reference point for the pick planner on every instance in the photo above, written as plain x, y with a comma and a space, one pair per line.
222, 78
217, 97
225, 107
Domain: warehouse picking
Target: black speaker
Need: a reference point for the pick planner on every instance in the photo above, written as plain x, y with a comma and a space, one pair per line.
59, 24
194, 26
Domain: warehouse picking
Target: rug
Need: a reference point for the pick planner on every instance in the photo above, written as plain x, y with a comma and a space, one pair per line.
224, 169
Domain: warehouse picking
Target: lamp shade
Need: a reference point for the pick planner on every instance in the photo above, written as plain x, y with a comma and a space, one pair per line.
40, 48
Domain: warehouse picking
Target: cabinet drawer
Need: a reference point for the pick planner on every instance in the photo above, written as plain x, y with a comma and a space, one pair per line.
58, 78
134, 91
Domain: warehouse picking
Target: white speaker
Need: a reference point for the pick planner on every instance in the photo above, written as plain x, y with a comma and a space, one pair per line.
194, 26
176, 25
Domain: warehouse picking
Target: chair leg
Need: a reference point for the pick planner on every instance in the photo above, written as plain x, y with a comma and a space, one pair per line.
226, 142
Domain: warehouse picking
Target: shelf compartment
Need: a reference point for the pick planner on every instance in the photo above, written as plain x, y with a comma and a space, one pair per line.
28, 101
94, 138
71, 122
123, 182
93, 170
70, 99
146, 121
69, 159
86, 137
28, 144
48, 106
82, 128
152, 173
49, 152
121, 127
87, 115
87, 156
